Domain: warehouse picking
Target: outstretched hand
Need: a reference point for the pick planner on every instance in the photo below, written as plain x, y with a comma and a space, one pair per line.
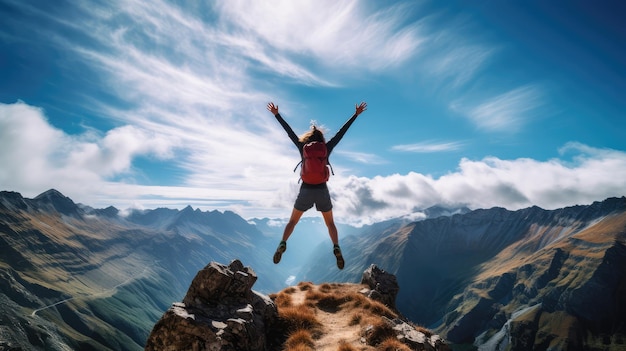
272, 108
360, 108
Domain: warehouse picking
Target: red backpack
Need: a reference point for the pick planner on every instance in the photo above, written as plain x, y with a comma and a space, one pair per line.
315, 163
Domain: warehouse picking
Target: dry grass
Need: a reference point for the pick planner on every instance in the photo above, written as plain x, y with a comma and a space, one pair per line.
282, 299
358, 301
392, 344
311, 304
299, 318
380, 308
314, 295
331, 302
299, 348
378, 332
305, 286
346, 347
300, 338
356, 318
363, 319
325, 288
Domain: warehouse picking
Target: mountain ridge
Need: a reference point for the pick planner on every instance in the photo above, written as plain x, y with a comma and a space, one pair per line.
481, 277
488, 264
81, 270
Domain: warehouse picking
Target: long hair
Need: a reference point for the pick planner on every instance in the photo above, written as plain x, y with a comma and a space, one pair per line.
313, 134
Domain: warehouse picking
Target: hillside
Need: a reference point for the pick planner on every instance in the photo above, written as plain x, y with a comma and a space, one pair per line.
72, 277
531, 279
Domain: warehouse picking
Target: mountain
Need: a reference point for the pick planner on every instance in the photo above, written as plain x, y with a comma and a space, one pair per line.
530, 279
73, 277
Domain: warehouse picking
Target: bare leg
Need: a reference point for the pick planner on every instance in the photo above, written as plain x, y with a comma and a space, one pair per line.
282, 247
332, 229
293, 220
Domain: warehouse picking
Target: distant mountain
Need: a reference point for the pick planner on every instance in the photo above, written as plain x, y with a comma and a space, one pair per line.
528, 280
310, 240
74, 277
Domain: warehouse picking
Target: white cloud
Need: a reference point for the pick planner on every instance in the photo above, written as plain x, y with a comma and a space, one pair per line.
507, 112
81, 166
346, 33
592, 175
36, 156
429, 146
362, 157
195, 87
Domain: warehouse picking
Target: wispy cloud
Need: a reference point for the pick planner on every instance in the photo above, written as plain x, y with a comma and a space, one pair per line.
507, 112
197, 82
451, 57
362, 157
190, 91
345, 34
429, 146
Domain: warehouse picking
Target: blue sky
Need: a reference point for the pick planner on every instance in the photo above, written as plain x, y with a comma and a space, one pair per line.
162, 104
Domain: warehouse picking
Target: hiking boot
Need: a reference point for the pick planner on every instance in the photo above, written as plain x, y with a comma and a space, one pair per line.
337, 252
282, 247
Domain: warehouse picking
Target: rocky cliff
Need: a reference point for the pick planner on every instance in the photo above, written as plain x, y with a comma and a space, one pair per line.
221, 312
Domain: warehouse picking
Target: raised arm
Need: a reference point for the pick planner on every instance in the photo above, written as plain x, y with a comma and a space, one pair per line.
274, 110
330, 145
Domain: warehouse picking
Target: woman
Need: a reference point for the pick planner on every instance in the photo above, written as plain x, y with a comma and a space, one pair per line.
313, 194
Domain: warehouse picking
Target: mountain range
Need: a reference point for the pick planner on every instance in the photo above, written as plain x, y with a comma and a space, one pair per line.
530, 279
75, 277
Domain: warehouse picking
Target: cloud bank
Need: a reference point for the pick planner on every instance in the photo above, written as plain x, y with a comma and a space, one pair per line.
582, 175
86, 167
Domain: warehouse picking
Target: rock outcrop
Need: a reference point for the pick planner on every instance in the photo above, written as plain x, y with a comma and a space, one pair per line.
383, 286
219, 312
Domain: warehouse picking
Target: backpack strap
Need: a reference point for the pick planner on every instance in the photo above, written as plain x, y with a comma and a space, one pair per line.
299, 163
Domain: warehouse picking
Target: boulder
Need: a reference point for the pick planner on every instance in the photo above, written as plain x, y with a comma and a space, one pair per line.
219, 312
383, 285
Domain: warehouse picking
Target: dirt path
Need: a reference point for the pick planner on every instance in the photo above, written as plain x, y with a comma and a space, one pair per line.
337, 328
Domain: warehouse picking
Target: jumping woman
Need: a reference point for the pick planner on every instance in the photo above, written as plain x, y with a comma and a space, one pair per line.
314, 151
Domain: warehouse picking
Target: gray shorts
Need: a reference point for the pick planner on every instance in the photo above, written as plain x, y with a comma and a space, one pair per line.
319, 196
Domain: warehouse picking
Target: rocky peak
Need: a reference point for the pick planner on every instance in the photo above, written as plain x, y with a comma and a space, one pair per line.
55, 200
13, 200
221, 312
383, 286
